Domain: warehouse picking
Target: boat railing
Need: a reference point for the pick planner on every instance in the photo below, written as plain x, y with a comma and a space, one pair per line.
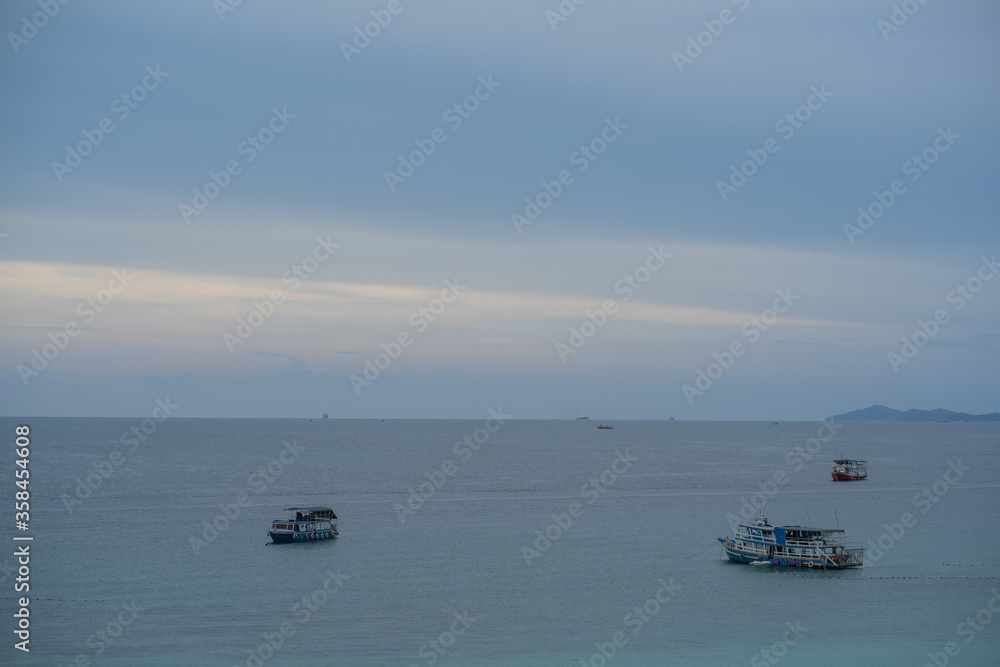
798, 542
846, 550
836, 549
843, 540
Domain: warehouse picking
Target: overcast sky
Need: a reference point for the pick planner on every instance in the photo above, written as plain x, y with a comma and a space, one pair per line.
468, 180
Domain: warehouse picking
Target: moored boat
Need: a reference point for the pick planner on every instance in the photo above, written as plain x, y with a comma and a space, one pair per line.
849, 470
605, 426
760, 543
306, 524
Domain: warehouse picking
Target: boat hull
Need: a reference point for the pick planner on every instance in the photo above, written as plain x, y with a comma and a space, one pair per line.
302, 536
848, 477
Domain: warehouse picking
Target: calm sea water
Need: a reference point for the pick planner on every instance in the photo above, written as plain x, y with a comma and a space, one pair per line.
119, 581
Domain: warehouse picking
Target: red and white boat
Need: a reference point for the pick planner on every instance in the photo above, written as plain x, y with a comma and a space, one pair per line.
849, 470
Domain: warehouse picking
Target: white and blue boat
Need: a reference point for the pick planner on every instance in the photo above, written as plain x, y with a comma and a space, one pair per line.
306, 524
760, 543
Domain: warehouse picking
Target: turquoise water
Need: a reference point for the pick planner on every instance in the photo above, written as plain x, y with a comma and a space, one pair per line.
633, 557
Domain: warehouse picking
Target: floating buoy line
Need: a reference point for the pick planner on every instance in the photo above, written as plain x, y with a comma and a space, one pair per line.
57, 600
803, 576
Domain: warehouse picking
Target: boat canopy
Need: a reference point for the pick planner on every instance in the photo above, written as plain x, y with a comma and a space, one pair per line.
843, 461
807, 529
799, 529
312, 513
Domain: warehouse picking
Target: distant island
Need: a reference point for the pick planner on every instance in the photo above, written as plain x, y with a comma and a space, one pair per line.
880, 413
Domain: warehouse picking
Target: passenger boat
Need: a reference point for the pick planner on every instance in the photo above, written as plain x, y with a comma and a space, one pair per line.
307, 523
605, 426
760, 543
847, 470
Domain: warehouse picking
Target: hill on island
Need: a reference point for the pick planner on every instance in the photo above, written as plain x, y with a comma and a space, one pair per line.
880, 413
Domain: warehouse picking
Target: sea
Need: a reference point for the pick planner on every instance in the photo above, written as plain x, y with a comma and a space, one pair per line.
494, 542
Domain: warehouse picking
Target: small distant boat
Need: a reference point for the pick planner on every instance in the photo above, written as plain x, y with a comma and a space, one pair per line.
604, 426
760, 543
849, 470
306, 524
326, 415
582, 418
